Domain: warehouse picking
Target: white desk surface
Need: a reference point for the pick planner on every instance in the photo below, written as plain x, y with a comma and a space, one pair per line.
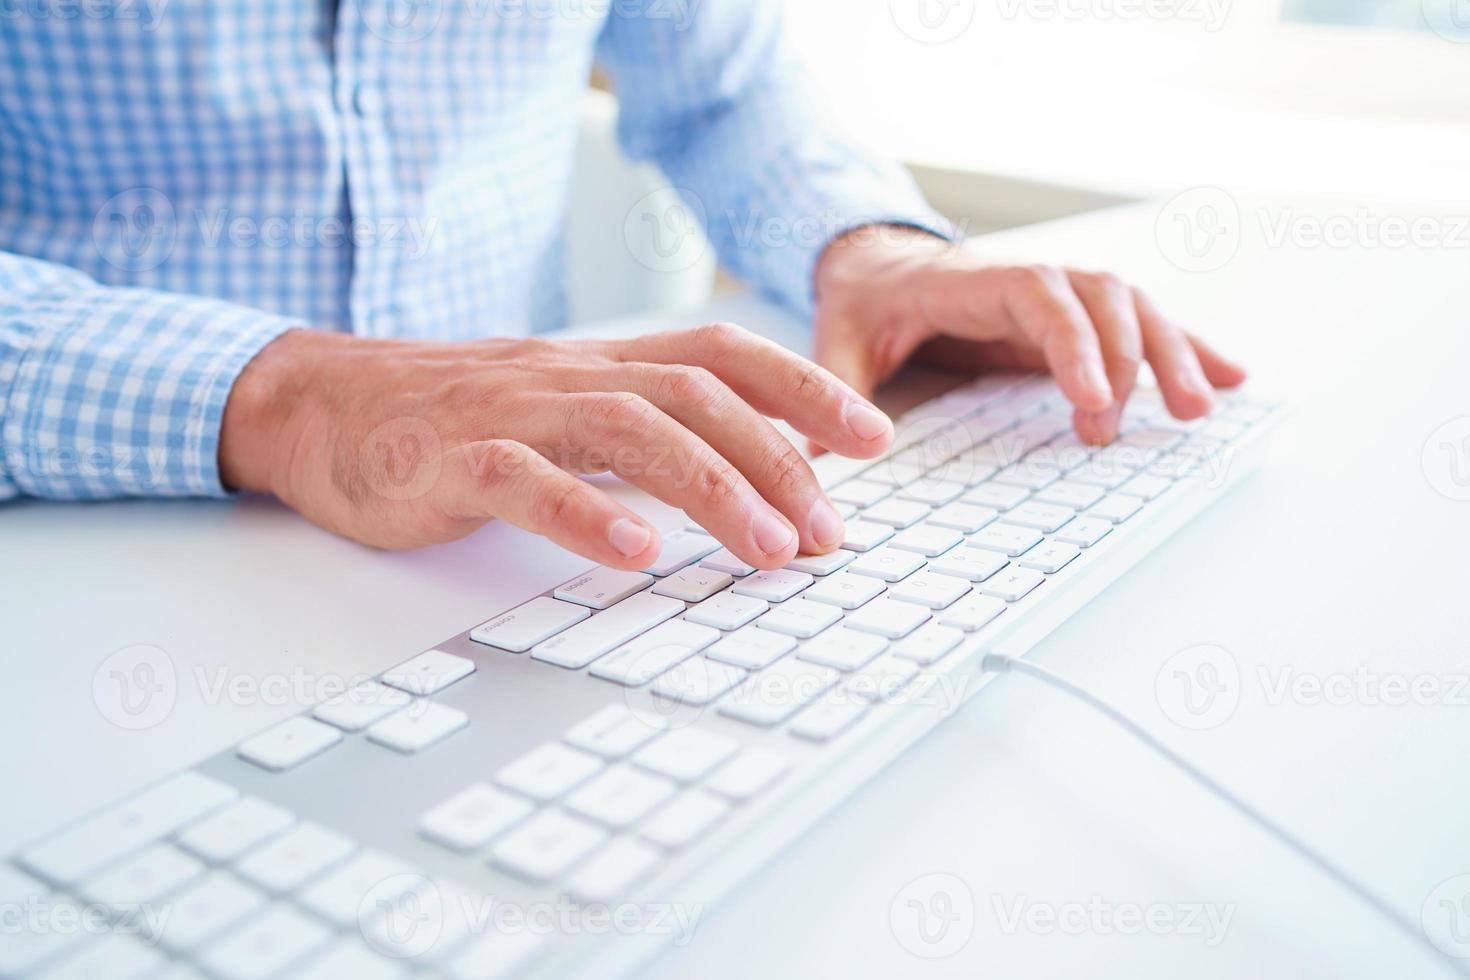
1339, 556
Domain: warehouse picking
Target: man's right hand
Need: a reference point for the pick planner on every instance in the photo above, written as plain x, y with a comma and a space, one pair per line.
402, 443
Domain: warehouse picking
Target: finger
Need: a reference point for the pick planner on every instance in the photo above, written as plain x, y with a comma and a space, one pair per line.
1110, 305
1176, 366
1043, 305
513, 482
710, 409
776, 383
652, 451
1221, 372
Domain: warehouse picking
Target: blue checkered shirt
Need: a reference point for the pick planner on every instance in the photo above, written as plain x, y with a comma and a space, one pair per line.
183, 180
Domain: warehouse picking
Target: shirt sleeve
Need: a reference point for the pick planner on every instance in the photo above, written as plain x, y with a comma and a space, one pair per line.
711, 93
108, 392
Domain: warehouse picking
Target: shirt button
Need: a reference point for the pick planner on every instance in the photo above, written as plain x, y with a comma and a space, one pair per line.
365, 99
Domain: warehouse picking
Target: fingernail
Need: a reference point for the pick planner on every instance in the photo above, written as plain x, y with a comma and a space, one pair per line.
825, 525
867, 422
628, 538
772, 535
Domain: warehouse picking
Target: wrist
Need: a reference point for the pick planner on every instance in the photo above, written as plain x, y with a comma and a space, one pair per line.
862, 256
258, 412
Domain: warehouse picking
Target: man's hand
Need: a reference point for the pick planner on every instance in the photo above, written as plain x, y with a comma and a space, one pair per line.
885, 294
401, 443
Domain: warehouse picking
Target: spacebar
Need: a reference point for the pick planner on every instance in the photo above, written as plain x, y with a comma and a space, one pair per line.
579, 646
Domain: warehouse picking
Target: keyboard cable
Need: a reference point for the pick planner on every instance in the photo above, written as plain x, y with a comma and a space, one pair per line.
999, 663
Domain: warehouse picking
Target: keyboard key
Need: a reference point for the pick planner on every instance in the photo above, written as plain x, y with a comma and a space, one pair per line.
359, 707
206, 909
799, 618
748, 775
1145, 486
861, 493
1066, 493
266, 946
640, 661
150, 815
686, 754
1053, 556
289, 744
964, 517
546, 845
611, 733
693, 584
525, 626
881, 679
929, 643
828, 718
619, 796
865, 535
845, 590
577, 647
497, 955
417, 727
929, 589
887, 564
685, 819
972, 612
725, 561
680, 550
25, 949
929, 540
303, 852
608, 874
1012, 584
1085, 531
821, 565
997, 496
143, 878
776, 586
772, 696
752, 648
842, 648
970, 564
1101, 472
697, 681
115, 956
603, 587
1032, 476
338, 896
228, 833
726, 611
888, 617
349, 959
1115, 507
1039, 516
473, 817
896, 512
1008, 539
935, 493
548, 771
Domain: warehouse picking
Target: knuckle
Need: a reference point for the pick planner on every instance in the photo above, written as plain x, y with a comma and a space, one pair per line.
686, 385
810, 382
718, 337
718, 484
619, 413
787, 472
558, 503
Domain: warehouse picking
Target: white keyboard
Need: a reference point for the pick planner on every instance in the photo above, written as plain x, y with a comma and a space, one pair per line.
626, 739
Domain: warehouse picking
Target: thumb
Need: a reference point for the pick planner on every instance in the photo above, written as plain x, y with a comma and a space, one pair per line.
852, 362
